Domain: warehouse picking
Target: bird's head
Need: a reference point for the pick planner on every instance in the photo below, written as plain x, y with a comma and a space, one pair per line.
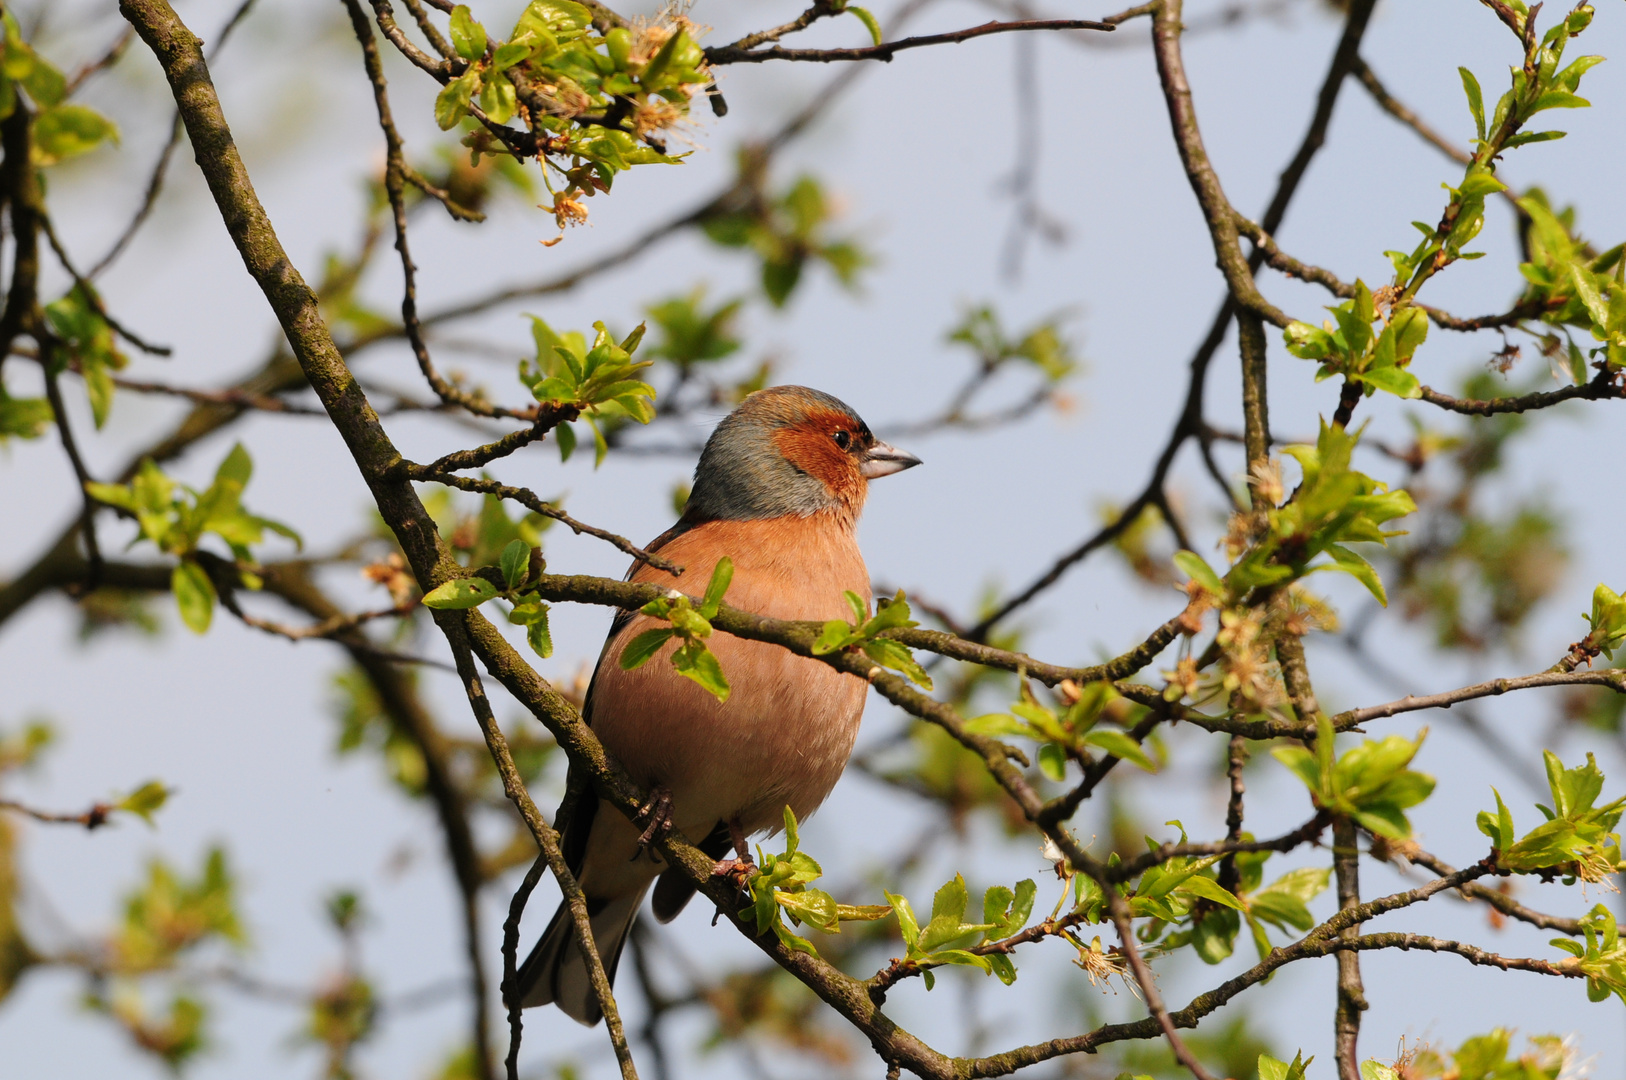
785, 451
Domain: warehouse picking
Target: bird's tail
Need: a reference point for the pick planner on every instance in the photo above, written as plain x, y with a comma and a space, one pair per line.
556, 971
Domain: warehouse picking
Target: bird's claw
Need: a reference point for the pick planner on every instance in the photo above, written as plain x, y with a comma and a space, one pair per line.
655, 816
738, 871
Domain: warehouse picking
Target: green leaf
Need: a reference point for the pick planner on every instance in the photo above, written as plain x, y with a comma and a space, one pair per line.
452, 103
194, 595
1476, 101
539, 637
460, 594
641, 648
1358, 568
498, 99
1394, 380
721, 575
1198, 570
145, 800
468, 36
515, 563
869, 21
66, 131
896, 655
1120, 745
907, 924
1303, 764
836, 635
997, 724
1053, 761
695, 661
235, 468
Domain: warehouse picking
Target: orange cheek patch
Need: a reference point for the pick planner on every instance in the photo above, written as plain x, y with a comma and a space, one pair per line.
809, 446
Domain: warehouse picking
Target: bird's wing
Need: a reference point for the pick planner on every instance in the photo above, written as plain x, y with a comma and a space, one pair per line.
574, 818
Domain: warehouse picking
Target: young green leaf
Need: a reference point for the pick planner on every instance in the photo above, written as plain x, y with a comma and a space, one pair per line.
459, 594
515, 563
194, 595
643, 647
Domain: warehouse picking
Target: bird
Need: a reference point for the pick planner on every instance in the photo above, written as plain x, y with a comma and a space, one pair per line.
778, 489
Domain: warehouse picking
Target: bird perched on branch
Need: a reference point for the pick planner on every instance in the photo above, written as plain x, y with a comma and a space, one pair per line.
778, 490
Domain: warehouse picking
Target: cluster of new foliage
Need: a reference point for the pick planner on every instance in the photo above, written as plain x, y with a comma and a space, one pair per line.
577, 94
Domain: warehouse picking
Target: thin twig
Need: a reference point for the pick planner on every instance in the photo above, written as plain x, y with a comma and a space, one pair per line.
1122, 921
451, 623
1498, 900
94, 818
1190, 422
1602, 388
155, 181
729, 54
102, 63
89, 293
395, 170
1614, 678
531, 501
88, 505
510, 954
231, 396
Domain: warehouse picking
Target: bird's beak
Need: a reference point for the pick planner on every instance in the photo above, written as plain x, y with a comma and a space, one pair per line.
884, 460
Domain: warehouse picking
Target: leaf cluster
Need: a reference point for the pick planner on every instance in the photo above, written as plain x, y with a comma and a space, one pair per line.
169, 915
591, 97
1334, 506
786, 232
1607, 620
1538, 84
1067, 735
175, 518
60, 129
1603, 956
947, 938
1578, 838
781, 885
1372, 360
1369, 783
597, 383
863, 634
1282, 905
88, 346
1043, 346
1572, 286
691, 626
518, 564
1482, 1057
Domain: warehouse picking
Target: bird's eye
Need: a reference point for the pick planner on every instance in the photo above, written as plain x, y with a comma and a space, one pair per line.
843, 439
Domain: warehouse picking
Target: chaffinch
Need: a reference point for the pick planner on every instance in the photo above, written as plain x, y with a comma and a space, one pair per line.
778, 489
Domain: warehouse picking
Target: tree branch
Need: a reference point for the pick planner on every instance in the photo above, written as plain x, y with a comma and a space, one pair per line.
733, 54
1603, 387
1614, 678
91, 819
531, 501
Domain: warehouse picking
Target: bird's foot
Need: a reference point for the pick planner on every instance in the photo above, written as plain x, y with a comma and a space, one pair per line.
655, 816
737, 871
740, 869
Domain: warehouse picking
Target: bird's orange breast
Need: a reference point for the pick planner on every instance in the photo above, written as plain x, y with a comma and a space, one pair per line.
788, 726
